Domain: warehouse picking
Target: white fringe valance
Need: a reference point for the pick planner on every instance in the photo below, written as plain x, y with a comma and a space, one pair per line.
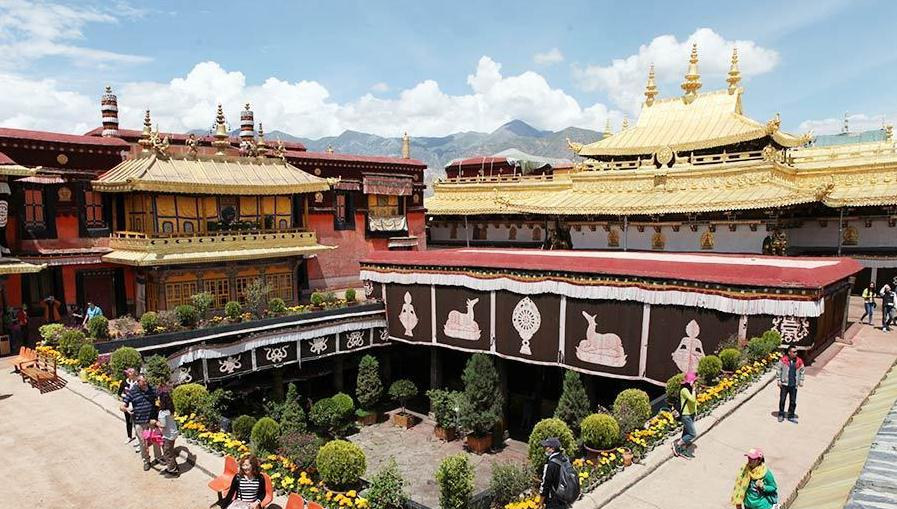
747, 306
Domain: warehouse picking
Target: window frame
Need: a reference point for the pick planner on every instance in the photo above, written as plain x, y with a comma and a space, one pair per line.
347, 222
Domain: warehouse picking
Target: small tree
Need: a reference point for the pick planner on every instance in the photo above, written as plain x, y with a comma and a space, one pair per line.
70, 341
122, 359
402, 390
158, 371
481, 406
242, 427
150, 322
573, 406
632, 408
387, 490
187, 315
233, 310
341, 464
369, 388
455, 479
508, 482
202, 301
292, 417
87, 355
350, 295
548, 428
264, 434
256, 296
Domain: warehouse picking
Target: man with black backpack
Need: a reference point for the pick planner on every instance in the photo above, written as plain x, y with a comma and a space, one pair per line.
560, 482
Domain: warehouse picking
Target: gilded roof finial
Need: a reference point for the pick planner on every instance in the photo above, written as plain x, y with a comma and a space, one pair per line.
650, 87
692, 79
329, 149
625, 124
734, 74
222, 139
406, 146
889, 132
607, 130
147, 133
261, 146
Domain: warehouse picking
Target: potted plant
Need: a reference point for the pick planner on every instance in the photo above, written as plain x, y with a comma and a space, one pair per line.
446, 407
368, 390
709, 368
600, 433
351, 299
402, 391
482, 402
730, 358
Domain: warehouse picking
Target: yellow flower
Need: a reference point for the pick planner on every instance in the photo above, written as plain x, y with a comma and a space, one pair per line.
266, 466
351, 493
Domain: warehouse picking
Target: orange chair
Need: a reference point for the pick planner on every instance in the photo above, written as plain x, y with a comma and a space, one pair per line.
314, 505
295, 501
221, 484
269, 491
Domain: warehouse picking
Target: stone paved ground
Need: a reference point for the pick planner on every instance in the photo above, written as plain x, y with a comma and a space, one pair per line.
418, 454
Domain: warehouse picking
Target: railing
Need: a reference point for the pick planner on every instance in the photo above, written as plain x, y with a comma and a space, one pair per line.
495, 179
124, 234
216, 241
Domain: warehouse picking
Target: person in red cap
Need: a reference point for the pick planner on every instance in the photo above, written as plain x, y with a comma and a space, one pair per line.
755, 486
688, 407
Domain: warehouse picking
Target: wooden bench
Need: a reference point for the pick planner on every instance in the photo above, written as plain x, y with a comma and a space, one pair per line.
26, 355
41, 372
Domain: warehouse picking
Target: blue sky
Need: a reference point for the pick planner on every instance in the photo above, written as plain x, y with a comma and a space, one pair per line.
316, 68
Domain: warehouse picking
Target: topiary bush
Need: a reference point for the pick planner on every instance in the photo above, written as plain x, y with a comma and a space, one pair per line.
187, 314
343, 409
341, 464
122, 359
50, 332
455, 479
600, 431
202, 301
387, 489
301, 448
242, 427
631, 409
508, 482
573, 406
150, 322
481, 406
350, 295
402, 391
292, 417
446, 406
368, 387
189, 398
730, 359
233, 310
674, 385
758, 348
157, 370
709, 368
317, 299
98, 327
70, 341
547, 428
87, 355
277, 306
264, 435
323, 414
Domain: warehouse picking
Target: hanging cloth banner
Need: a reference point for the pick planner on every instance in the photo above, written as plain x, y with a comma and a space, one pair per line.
394, 186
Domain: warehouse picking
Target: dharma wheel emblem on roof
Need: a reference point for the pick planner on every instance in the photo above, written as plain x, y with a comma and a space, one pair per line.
664, 156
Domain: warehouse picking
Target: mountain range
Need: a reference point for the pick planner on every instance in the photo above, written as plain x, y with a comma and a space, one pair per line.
439, 151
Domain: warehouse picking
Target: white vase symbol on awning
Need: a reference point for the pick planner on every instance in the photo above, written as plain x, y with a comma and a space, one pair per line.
690, 350
407, 316
463, 325
526, 320
604, 349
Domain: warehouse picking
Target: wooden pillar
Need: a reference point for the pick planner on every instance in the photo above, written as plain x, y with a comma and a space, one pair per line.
277, 384
338, 373
435, 369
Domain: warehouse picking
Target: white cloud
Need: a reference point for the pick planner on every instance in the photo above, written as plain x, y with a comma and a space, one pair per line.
43, 105
624, 79
380, 87
856, 123
33, 30
549, 57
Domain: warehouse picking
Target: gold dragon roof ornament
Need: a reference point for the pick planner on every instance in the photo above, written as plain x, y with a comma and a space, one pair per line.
692, 82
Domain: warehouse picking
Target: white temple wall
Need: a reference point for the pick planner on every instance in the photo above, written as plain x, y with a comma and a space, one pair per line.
812, 234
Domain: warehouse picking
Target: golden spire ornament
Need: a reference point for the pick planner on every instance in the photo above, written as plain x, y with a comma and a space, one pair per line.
146, 135
261, 146
406, 146
734, 74
650, 87
692, 82
625, 124
222, 139
607, 130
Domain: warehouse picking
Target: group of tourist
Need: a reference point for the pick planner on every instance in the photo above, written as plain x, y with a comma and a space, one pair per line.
755, 485
149, 422
888, 297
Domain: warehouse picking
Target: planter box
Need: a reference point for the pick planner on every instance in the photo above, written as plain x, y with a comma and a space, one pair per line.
446, 434
369, 419
595, 454
404, 420
479, 445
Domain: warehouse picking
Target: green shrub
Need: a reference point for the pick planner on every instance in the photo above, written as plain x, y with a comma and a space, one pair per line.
674, 385
709, 368
169, 321
87, 355
188, 315
343, 409
455, 479
150, 322
368, 387
277, 306
122, 359
212, 406
189, 398
402, 391
600, 431
264, 435
158, 372
98, 327
508, 482
233, 310
350, 295
341, 464
323, 414
124, 327
255, 294
573, 406
202, 301
773, 339
547, 428
730, 358
292, 417
481, 406
758, 348
631, 409
242, 427
317, 299
70, 341
446, 407
387, 489
301, 448
50, 332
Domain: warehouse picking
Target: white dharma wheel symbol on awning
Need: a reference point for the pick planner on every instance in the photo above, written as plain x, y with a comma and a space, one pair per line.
526, 320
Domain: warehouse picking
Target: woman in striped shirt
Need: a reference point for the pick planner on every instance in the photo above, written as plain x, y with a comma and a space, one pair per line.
248, 485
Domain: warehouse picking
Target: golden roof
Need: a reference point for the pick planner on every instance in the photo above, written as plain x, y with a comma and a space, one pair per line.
141, 259
711, 119
15, 266
208, 175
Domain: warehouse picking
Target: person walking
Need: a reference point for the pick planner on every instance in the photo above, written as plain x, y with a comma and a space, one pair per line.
126, 385
790, 377
169, 428
247, 489
688, 408
551, 474
869, 302
887, 308
755, 486
142, 399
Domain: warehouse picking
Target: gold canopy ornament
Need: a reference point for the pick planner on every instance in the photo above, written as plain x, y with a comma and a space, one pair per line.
734, 74
146, 135
650, 87
222, 139
692, 82
625, 124
261, 147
